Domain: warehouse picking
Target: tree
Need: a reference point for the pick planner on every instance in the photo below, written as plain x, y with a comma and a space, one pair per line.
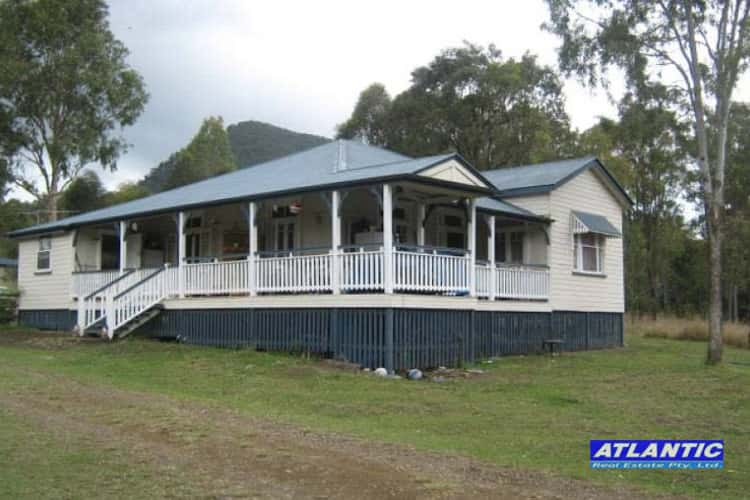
369, 118
65, 91
737, 248
207, 155
86, 192
703, 48
644, 149
468, 99
127, 191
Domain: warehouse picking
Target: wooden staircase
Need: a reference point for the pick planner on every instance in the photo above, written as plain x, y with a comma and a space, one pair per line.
118, 312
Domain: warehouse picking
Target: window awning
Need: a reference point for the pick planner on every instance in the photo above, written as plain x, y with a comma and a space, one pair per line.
584, 222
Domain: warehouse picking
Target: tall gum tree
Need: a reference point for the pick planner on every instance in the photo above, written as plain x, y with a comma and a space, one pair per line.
699, 49
66, 91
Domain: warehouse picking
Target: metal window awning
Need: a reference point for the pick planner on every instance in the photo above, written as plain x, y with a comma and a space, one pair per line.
584, 222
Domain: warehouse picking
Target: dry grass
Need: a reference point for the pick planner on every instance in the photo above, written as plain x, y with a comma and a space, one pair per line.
735, 334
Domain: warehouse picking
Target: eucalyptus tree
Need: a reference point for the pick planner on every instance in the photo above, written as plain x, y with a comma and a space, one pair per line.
699, 50
469, 99
66, 91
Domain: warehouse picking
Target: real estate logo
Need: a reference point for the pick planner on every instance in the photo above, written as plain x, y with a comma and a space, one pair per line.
657, 454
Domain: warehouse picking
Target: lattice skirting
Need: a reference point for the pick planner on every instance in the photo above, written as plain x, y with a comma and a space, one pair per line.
396, 338
48, 319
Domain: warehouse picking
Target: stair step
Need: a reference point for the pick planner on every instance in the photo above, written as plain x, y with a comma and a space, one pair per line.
136, 322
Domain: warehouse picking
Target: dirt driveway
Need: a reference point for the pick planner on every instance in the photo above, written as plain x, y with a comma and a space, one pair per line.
212, 452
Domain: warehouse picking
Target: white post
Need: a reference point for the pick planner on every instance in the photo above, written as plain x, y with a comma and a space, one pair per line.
472, 245
181, 253
420, 224
81, 314
123, 245
109, 318
335, 241
387, 238
491, 254
252, 248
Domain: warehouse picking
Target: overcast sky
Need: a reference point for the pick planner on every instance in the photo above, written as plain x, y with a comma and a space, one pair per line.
301, 65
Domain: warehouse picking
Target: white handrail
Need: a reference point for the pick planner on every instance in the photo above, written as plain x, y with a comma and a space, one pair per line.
361, 270
85, 283
130, 303
431, 272
294, 274
484, 280
217, 278
522, 282
92, 307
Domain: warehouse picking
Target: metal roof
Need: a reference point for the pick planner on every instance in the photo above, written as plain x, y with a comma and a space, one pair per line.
5, 262
338, 163
597, 224
496, 205
544, 177
335, 164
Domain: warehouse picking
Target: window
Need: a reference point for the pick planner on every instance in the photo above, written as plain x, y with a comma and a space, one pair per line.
43, 255
516, 248
500, 253
588, 253
509, 247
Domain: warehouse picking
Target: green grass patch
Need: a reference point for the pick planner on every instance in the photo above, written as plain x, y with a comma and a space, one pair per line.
532, 412
43, 464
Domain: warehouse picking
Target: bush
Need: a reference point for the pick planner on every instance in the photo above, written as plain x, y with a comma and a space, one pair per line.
8, 306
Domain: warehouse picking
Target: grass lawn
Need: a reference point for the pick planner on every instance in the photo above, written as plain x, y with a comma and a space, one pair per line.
532, 412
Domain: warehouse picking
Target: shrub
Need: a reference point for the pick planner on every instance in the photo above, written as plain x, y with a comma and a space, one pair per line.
8, 306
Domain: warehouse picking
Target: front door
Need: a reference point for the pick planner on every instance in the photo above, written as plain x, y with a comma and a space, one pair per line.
284, 235
196, 246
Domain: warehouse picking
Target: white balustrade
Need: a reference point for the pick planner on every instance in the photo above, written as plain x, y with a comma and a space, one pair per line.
217, 278
361, 270
131, 302
92, 306
430, 272
522, 282
484, 279
86, 282
294, 273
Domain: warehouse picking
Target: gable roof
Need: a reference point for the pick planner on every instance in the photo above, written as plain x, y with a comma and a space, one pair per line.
544, 177
334, 164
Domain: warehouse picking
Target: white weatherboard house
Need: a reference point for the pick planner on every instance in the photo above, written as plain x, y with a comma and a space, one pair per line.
347, 250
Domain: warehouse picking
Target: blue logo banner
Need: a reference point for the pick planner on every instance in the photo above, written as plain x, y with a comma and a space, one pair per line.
656, 454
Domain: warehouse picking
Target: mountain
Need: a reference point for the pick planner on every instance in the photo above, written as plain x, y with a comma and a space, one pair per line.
255, 142
252, 142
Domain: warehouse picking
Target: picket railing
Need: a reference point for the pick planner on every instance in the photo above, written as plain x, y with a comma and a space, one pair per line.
217, 278
422, 271
361, 270
86, 282
484, 279
294, 274
430, 272
133, 301
520, 282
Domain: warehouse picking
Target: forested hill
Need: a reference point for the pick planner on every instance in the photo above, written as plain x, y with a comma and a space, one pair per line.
251, 142
255, 142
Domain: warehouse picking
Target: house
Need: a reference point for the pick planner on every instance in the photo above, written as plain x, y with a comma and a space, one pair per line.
347, 250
